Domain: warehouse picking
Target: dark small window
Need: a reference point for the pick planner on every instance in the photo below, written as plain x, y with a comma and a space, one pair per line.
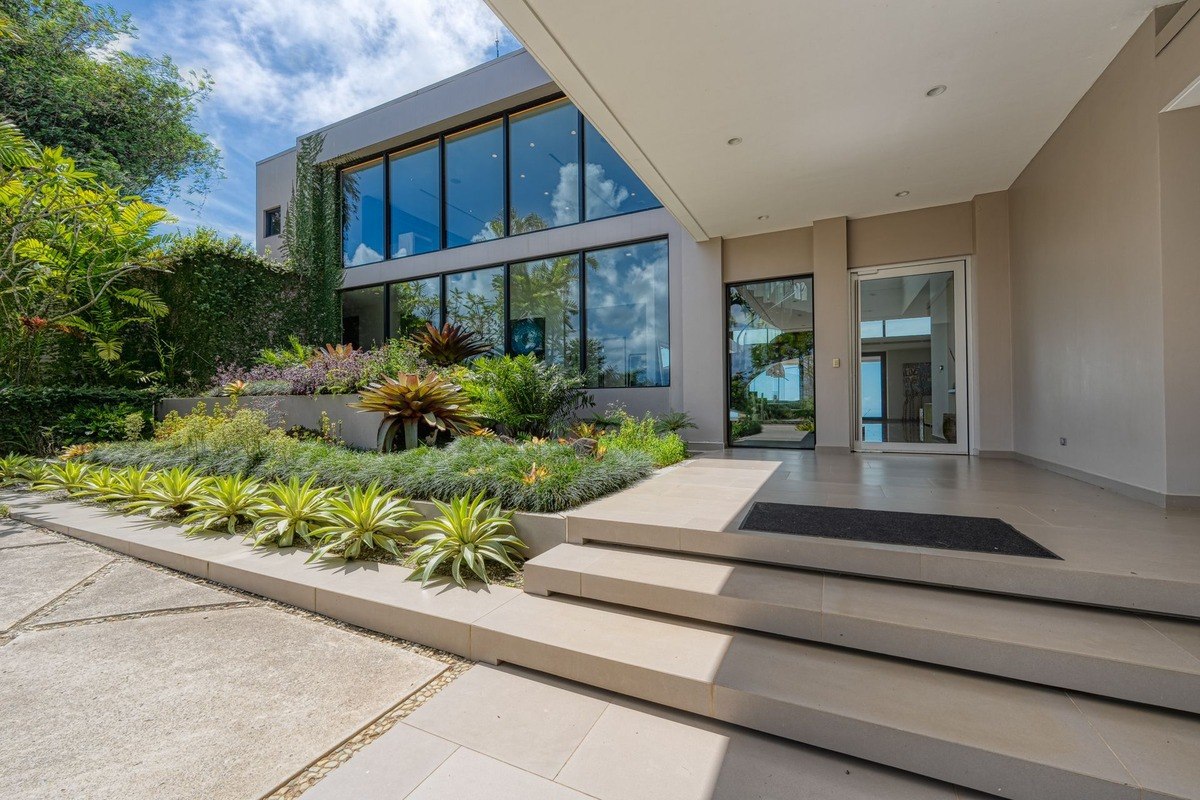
272, 222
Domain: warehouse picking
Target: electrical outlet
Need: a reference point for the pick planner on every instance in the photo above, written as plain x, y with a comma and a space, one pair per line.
837, 362
1062, 440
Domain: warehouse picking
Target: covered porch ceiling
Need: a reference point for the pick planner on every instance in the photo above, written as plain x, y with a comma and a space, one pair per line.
827, 97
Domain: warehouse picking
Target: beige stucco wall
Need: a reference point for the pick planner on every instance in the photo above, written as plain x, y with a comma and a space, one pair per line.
990, 327
1179, 149
1105, 278
915, 235
779, 254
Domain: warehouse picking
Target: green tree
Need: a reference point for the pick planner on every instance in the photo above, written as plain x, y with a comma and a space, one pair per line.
312, 241
127, 118
71, 252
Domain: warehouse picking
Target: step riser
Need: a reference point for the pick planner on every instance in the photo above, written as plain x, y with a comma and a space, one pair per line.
1021, 577
1120, 680
974, 768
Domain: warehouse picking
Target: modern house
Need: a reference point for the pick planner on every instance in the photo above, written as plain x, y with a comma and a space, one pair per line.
955, 228
966, 231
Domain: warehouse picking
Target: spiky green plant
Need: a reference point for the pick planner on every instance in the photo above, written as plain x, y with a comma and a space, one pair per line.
224, 503
68, 476
472, 530
174, 491
12, 469
289, 510
409, 399
129, 485
451, 344
100, 481
362, 519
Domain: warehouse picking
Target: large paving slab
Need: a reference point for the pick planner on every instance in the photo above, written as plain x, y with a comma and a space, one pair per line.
216, 704
31, 577
627, 750
18, 534
129, 588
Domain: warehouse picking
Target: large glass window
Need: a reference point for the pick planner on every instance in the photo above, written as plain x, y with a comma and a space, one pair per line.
475, 300
362, 316
416, 198
543, 310
628, 332
475, 185
610, 187
362, 224
543, 167
414, 304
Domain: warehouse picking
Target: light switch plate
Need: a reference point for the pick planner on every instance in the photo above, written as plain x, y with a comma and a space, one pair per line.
837, 362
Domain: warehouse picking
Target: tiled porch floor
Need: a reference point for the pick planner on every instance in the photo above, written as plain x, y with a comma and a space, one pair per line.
1094, 530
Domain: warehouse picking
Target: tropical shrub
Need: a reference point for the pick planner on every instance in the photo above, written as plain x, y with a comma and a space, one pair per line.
173, 491
674, 422
745, 427
451, 344
641, 435
471, 531
289, 510
408, 400
73, 253
225, 502
525, 396
362, 519
13, 468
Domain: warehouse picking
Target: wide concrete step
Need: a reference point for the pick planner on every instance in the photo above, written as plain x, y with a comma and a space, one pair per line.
1116, 654
999, 736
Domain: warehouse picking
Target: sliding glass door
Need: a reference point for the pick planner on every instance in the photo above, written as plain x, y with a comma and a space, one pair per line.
910, 371
770, 345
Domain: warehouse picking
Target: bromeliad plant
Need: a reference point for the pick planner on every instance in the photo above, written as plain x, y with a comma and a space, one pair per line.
288, 511
13, 469
449, 345
173, 491
362, 519
98, 483
129, 484
69, 476
409, 399
224, 503
471, 531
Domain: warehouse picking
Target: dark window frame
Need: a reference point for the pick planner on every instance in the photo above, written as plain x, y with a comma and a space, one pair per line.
275, 214
440, 138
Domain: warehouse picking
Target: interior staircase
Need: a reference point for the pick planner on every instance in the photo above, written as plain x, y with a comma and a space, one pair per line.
1012, 694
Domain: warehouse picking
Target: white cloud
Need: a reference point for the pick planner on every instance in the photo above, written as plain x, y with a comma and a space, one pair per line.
306, 63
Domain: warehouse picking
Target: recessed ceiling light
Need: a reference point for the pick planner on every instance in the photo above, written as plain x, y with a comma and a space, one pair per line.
735, 140
936, 90
763, 217
904, 193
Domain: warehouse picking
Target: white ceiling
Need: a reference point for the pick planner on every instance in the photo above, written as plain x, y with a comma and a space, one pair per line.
827, 95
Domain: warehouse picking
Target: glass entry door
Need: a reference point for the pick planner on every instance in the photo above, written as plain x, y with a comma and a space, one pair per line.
911, 372
770, 343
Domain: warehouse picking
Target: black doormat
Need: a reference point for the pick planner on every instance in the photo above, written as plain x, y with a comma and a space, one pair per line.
942, 531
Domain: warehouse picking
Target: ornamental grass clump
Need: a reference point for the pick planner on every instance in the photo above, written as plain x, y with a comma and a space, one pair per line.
472, 531
224, 503
289, 511
362, 519
174, 491
409, 399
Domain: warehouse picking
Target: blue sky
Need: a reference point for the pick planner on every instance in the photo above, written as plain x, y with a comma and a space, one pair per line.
284, 68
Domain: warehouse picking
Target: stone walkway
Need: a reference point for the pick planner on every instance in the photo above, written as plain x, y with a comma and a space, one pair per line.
122, 679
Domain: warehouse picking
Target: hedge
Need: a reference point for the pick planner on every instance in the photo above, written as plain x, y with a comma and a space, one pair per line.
41, 420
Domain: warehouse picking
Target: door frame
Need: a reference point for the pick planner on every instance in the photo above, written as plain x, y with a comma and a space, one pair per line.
960, 266
727, 360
